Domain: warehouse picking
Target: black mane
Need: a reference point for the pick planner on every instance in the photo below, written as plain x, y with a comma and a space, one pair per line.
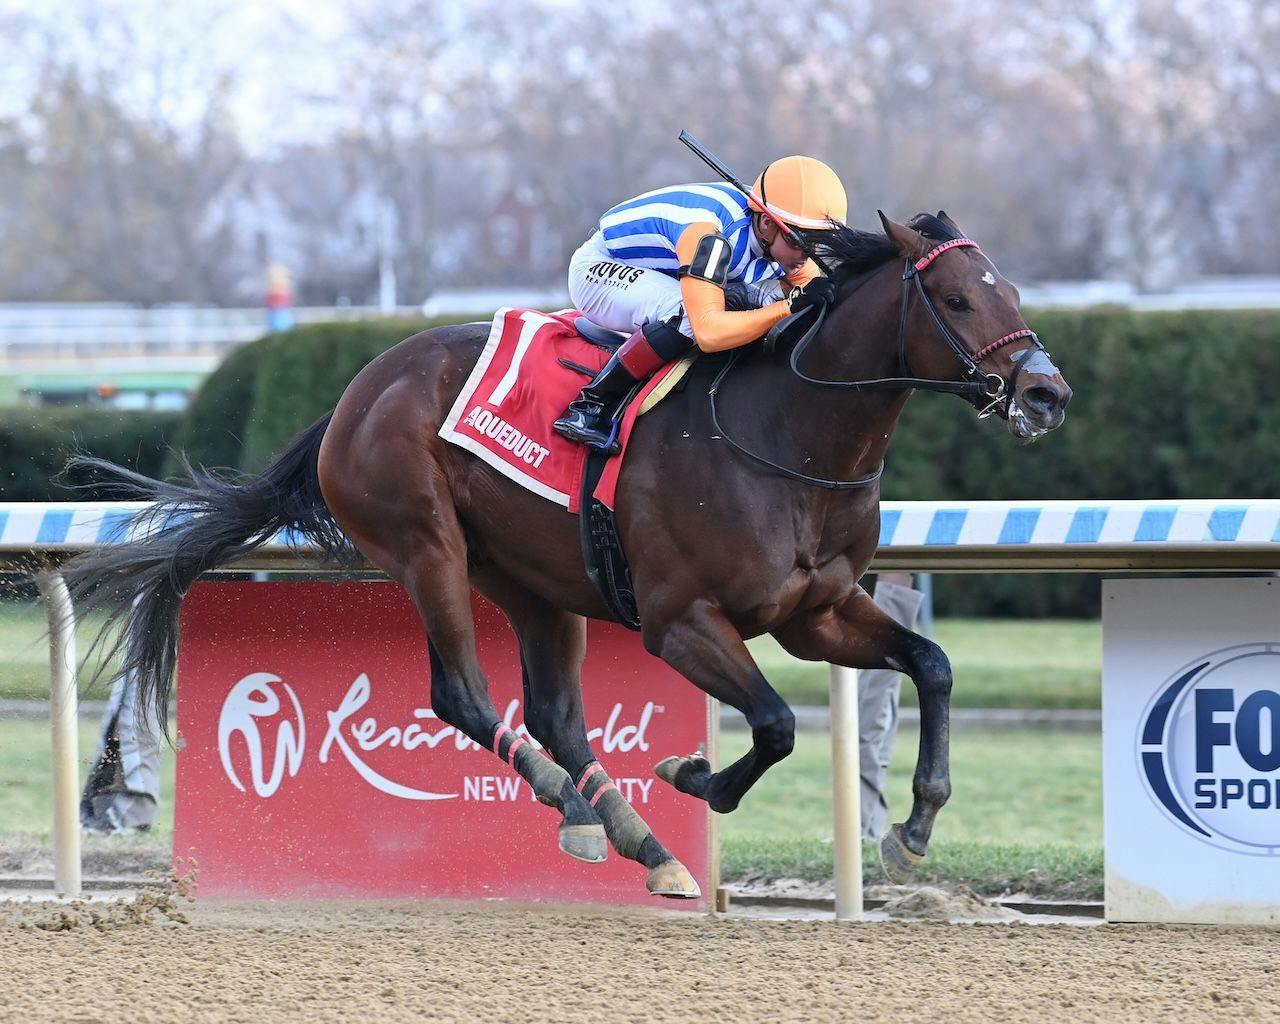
859, 252
934, 227
854, 252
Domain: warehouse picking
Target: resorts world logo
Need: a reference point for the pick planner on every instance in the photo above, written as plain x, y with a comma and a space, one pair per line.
251, 701
1209, 748
274, 737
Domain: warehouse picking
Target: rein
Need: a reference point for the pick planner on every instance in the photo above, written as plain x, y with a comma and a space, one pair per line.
793, 474
977, 387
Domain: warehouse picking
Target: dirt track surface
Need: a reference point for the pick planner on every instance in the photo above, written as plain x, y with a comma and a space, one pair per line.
450, 962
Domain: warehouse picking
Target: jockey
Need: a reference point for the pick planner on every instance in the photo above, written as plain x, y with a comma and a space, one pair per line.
658, 264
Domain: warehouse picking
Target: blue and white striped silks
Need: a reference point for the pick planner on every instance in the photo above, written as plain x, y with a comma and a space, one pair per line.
643, 231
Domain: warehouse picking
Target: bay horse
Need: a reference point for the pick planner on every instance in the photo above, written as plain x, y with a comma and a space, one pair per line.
754, 512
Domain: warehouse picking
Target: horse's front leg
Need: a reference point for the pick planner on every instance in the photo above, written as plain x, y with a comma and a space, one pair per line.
703, 646
858, 634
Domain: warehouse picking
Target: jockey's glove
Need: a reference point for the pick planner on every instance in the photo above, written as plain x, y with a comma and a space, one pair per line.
821, 291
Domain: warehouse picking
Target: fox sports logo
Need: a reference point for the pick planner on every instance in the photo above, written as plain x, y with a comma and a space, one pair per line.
1209, 748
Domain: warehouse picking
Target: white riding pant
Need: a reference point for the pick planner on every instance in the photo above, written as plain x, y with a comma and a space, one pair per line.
623, 297
619, 296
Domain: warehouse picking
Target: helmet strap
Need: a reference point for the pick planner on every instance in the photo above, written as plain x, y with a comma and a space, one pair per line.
766, 246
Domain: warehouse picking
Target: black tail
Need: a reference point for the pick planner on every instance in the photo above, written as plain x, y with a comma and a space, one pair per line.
193, 525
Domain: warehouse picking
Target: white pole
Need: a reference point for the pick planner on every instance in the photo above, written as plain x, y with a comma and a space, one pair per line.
846, 793
62, 718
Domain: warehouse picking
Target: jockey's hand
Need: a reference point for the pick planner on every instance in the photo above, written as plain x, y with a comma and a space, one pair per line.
821, 291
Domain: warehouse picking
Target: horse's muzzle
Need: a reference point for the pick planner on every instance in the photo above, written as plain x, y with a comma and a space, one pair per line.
1038, 407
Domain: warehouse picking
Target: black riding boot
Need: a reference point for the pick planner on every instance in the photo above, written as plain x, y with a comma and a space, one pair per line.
590, 419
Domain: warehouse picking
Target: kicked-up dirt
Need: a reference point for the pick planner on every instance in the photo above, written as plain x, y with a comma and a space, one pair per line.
166, 957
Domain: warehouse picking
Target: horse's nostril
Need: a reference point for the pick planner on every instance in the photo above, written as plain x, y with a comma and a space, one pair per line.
1041, 398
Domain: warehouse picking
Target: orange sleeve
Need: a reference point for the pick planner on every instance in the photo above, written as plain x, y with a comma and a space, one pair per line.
807, 272
714, 327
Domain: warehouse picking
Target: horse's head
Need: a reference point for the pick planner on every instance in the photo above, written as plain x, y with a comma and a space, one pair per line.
962, 322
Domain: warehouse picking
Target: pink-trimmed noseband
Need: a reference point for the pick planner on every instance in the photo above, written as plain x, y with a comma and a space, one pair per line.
1000, 343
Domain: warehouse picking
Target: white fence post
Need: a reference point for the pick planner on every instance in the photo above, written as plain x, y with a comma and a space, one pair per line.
62, 718
846, 793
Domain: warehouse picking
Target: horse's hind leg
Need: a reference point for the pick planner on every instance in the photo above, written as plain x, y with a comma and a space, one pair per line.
859, 634
706, 649
552, 647
460, 692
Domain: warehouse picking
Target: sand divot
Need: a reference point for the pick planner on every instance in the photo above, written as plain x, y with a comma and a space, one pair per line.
147, 907
928, 903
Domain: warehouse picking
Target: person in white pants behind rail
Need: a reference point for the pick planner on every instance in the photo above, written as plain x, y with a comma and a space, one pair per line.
123, 787
878, 692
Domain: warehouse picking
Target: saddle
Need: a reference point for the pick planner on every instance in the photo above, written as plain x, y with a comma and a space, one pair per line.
531, 367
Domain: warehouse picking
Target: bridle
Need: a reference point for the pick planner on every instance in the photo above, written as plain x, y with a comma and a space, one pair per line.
986, 391
982, 387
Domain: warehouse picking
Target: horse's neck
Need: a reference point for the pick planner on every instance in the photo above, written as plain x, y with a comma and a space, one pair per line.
859, 340
847, 432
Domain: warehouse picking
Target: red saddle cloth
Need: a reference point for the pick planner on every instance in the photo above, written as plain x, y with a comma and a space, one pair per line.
518, 388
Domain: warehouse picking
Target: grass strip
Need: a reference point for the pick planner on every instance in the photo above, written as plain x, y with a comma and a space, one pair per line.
1046, 871
998, 663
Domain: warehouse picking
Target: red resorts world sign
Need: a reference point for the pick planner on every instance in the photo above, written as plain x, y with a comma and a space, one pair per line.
312, 765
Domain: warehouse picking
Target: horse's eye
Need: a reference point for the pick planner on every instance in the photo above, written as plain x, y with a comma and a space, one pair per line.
956, 302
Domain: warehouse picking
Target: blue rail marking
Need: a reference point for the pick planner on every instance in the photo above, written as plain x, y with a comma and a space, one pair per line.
114, 528
1086, 525
946, 526
1156, 523
1019, 525
54, 525
1225, 522
888, 526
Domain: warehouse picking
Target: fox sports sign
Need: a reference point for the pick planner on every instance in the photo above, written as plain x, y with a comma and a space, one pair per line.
1209, 748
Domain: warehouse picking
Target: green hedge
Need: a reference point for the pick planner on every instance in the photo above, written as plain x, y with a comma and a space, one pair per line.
302, 374
36, 443
1166, 405
264, 393
212, 432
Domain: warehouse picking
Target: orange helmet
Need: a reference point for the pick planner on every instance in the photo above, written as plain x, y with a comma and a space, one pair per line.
802, 192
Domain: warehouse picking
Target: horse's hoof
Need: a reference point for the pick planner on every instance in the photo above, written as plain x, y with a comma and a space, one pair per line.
672, 880
584, 842
668, 767
898, 861
684, 772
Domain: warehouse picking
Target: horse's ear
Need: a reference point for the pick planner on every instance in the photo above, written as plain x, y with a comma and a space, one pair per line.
942, 216
909, 241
